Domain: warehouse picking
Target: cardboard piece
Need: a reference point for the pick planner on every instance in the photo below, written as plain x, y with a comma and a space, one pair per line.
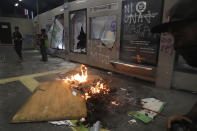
145, 115
52, 101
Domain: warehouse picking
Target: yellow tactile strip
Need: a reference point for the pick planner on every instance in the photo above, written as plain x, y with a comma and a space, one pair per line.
29, 81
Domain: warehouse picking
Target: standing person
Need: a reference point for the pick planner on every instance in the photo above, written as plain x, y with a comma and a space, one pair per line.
17, 36
183, 27
43, 38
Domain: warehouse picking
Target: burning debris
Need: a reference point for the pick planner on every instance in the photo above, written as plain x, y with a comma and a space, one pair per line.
79, 77
87, 89
95, 91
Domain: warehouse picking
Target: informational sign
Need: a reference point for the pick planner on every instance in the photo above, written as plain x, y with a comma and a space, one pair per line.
111, 6
138, 44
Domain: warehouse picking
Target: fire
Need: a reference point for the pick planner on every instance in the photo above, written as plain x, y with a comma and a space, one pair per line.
87, 96
94, 89
114, 103
99, 88
80, 77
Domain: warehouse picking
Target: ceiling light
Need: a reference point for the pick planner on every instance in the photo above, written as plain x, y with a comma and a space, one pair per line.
16, 4
20, 0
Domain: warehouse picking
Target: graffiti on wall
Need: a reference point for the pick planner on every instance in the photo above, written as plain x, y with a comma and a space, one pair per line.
167, 42
138, 44
137, 19
137, 16
96, 53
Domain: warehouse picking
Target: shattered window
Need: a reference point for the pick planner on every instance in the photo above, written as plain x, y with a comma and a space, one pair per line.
56, 33
78, 33
104, 28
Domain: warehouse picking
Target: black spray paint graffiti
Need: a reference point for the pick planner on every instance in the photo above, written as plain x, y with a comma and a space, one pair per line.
138, 19
137, 16
167, 42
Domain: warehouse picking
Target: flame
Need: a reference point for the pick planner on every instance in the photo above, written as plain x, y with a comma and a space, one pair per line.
80, 77
98, 88
87, 96
114, 103
94, 89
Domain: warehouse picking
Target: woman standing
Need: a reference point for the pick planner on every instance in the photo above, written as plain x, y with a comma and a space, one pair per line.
43, 38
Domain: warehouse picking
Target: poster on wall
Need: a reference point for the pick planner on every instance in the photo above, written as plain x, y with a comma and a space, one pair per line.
78, 33
104, 28
56, 33
138, 44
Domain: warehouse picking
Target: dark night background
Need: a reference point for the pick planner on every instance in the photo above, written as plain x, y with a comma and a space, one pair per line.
7, 8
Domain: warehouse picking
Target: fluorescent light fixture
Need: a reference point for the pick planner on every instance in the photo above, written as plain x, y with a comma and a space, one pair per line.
81, 1
20, 0
16, 4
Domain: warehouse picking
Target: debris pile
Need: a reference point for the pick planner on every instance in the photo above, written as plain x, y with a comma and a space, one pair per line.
95, 90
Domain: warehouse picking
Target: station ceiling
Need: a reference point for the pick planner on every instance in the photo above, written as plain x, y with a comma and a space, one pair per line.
7, 8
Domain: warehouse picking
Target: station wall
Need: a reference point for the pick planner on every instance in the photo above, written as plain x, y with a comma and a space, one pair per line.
107, 55
26, 28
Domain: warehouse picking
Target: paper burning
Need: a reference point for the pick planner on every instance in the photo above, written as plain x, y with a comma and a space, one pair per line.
90, 89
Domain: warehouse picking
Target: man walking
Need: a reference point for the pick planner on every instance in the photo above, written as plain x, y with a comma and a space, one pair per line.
17, 36
43, 39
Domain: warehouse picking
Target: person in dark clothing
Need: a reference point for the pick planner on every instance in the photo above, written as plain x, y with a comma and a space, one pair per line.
82, 40
183, 27
17, 36
43, 38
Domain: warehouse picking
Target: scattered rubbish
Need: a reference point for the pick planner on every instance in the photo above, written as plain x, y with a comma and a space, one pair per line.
109, 73
123, 89
82, 119
133, 121
74, 93
96, 126
114, 103
35, 110
151, 107
64, 122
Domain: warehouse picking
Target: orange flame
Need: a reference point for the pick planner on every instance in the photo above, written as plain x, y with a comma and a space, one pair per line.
82, 77
114, 103
79, 77
99, 88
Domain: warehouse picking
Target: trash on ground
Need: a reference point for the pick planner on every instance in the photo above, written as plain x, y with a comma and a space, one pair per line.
123, 89
74, 93
81, 127
109, 73
154, 107
64, 122
114, 103
96, 126
133, 121
82, 119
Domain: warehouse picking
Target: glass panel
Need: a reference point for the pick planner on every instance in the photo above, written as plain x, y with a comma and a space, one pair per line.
78, 31
104, 28
56, 33
138, 44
